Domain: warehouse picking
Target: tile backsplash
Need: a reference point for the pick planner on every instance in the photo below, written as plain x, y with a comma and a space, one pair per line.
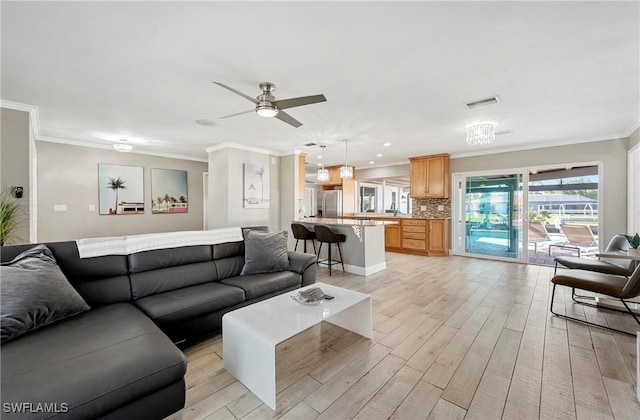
431, 205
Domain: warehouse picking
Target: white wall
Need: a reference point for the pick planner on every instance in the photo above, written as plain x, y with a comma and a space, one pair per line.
14, 164
225, 205
69, 175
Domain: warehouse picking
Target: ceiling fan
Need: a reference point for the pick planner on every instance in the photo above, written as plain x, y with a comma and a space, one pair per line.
268, 106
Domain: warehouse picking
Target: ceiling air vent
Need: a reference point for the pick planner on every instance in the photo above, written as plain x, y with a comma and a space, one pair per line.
311, 144
483, 102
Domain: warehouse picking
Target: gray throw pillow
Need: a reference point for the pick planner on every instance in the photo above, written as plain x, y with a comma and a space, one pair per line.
265, 252
34, 292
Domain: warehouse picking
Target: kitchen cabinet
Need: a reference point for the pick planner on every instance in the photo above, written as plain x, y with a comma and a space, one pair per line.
414, 234
334, 176
301, 175
392, 236
418, 236
438, 239
429, 176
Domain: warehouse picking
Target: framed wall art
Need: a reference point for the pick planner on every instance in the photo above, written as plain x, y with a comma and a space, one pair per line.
169, 191
256, 186
120, 189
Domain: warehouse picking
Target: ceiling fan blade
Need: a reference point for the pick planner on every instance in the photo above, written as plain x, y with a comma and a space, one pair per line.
303, 100
254, 100
237, 113
283, 116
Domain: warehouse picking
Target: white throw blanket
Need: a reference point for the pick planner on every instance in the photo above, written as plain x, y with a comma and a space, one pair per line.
125, 245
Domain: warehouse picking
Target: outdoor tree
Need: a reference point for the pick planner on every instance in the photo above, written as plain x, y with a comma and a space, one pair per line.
116, 184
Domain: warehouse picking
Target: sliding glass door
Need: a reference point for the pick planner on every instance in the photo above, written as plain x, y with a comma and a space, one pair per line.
490, 216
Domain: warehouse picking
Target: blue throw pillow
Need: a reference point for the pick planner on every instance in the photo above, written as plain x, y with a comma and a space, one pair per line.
265, 252
34, 292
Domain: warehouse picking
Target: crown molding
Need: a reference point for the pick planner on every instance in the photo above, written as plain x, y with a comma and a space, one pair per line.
110, 148
540, 145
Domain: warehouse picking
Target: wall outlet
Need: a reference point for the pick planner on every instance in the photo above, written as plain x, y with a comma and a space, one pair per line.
92, 207
440, 207
423, 208
59, 207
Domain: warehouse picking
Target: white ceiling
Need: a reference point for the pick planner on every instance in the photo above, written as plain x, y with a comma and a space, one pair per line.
391, 72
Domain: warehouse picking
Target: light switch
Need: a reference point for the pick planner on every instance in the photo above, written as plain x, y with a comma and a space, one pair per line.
423, 208
440, 207
92, 207
59, 207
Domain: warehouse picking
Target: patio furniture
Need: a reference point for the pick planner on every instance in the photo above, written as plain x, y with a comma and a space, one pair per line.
618, 287
578, 237
617, 244
537, 233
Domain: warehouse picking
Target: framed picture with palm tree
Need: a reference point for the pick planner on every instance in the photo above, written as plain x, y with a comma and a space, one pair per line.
120, 189
256, 186
169, 191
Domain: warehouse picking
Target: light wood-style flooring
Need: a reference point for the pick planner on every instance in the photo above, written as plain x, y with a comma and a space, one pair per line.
454, 338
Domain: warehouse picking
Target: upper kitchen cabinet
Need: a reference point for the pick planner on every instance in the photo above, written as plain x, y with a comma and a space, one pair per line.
301, 175
429, 177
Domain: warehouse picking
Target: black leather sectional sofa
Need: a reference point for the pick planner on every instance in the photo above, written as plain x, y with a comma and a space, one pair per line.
118, 360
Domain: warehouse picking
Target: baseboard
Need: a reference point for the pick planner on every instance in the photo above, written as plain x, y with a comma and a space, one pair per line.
365, 271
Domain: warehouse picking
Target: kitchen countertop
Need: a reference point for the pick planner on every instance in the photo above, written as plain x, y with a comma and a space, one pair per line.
344, 222
398, 216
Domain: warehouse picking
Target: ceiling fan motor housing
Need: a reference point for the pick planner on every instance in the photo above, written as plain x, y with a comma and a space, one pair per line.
265, 107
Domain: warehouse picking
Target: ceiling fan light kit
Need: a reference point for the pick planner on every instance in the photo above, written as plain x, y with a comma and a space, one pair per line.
481, 133
266, 111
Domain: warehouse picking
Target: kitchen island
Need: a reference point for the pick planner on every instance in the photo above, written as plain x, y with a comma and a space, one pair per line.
363, 250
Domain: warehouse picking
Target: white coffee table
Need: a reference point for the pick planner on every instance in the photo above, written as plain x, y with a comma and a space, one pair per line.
250, 334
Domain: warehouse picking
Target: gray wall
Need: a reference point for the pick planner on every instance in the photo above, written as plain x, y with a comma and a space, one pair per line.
225, 203
69, 175
613, 178
14, 163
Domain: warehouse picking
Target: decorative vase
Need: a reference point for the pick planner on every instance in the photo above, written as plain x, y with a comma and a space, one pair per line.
634, 251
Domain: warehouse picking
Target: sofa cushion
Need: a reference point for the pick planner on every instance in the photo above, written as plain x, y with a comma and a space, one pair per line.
93, 363
34, 293
190, 302
257, 285
265, 252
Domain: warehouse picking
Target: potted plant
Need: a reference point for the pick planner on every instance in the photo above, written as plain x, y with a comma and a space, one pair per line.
11, 214
634, 243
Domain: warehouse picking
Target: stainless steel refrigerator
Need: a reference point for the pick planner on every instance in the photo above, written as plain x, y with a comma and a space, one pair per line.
332, 203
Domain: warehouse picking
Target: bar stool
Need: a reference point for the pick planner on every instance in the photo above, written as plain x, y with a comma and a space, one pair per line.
300, 231
326, 235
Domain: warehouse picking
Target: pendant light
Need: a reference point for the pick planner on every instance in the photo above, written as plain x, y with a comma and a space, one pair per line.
323, 174
346, 171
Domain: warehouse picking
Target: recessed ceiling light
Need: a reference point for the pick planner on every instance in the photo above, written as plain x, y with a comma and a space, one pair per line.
386, 144
319, 156
379, 155
205, 123
319, 164
371, 162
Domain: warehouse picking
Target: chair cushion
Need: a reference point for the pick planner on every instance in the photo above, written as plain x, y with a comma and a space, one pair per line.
265, 252
34, 293
94, 363
190, 302
606, 284
257, 285
591, 264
